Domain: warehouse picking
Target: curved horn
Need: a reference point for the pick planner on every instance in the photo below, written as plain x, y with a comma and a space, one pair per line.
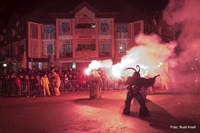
138, 68
131, 69
157, 75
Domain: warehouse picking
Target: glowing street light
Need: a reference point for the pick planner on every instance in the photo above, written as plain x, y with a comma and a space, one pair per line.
4, 65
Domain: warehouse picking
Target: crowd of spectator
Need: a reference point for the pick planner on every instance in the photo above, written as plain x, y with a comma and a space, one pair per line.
27, 81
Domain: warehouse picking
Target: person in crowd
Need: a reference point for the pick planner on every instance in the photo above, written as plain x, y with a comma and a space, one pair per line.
45, 84
26, 84
11, 88
84, 83
32, 87
6, 88
70, 79
96, 85
80, 82
66, 83
37, 85
62, 85
17, 85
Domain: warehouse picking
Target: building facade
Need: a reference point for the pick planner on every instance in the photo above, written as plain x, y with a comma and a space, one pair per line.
72, 39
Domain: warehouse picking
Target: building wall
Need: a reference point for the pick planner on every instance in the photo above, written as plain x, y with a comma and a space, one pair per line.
35, 48
78, 40
81, 39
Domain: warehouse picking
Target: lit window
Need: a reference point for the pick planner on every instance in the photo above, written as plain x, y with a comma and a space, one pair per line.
122, 48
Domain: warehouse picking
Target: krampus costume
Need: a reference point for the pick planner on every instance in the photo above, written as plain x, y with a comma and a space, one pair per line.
133, 85
56, 82
45, 84
95, 85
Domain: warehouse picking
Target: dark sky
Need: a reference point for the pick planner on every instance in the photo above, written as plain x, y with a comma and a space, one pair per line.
7, 7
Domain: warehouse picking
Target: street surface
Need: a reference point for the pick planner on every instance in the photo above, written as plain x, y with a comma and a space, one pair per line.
74, 112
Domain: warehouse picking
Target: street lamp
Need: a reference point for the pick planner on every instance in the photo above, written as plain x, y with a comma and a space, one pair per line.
4, 65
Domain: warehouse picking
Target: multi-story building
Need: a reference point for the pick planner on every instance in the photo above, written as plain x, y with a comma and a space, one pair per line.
73, 38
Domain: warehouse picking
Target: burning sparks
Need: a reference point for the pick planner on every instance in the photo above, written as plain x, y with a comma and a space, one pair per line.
160, 64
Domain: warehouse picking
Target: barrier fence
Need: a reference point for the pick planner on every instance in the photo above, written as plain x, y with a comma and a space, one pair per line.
25, 88
31, 89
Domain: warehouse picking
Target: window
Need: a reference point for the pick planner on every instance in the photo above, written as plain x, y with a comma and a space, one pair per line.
85, 47
7, 52
104, 50
122, 30
34, 31
65, 28
20, 50
105, 26
85, 25
66, 50
85, 29
49, 31
50, 49
137, 28
122, 48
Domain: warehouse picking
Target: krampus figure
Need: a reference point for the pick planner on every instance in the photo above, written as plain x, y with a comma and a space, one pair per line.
56, 82
133, 85
96, 85
147, 84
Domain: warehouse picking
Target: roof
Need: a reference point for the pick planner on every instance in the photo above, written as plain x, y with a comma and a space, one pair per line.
122, 10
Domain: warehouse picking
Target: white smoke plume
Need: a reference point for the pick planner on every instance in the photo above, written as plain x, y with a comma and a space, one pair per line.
150, 53
156, 57
183, 16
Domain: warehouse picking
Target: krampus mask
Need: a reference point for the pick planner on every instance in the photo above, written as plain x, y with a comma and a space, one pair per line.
136, 73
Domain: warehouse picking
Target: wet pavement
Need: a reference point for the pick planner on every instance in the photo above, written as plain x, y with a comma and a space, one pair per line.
74, 112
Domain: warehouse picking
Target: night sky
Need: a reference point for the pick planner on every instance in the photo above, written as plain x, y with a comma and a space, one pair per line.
7, 7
